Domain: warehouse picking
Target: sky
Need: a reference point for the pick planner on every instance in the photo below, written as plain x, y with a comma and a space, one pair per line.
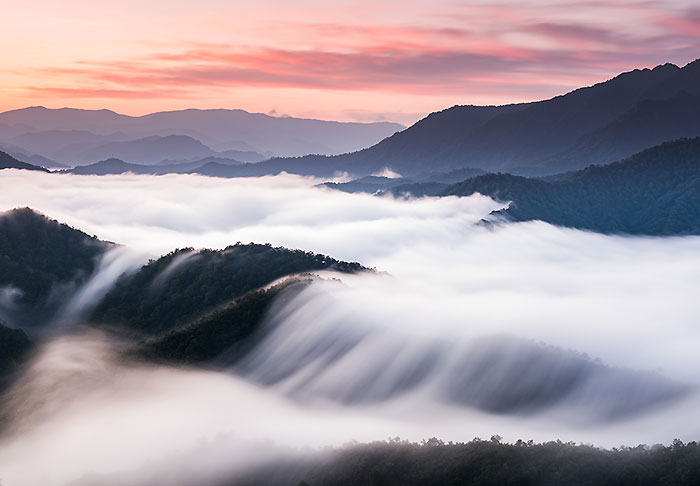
354, 60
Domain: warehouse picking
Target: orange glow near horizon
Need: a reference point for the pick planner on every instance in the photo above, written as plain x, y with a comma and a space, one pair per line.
350, 61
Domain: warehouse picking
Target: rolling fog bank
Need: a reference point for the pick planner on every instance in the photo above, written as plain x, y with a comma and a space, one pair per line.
467, 329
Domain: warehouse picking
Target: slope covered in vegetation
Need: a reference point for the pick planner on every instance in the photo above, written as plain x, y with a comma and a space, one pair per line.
185, 285
656, 192
41, 261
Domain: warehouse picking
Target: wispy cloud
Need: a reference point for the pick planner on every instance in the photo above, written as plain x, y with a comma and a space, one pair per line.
451, 52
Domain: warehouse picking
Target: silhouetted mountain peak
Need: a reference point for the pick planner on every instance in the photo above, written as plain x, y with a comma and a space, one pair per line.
9, 162
111, 162
595, 124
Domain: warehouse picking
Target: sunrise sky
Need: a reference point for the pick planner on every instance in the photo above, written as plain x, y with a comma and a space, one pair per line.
346, 60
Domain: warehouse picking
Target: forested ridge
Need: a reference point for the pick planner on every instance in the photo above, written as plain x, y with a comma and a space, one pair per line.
185, 284
40, 257
656, 192
226, 333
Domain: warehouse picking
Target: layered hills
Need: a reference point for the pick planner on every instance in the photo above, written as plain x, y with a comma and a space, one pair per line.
73, 137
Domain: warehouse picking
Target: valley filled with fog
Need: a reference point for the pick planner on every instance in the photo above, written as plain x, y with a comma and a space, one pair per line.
468, 326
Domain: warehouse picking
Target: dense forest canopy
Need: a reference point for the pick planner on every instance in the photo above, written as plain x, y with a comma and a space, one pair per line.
656, 192
225, 334
186, 284
38, 254
494, 463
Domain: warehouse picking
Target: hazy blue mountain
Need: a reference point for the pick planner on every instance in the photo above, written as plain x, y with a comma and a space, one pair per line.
9, 162
247, 156
594, 125
24, 155
79, 147
118, 166
283, 136
210, 166
655, 192
217, 160
225, 157
220, 129
367, 184
62, 145
213, 167
426, 184
649, 123
39, 160
39, 118
149, 150
9, 131
450, 177
416, 189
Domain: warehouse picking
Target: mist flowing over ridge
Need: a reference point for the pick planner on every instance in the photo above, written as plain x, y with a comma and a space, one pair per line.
520, 329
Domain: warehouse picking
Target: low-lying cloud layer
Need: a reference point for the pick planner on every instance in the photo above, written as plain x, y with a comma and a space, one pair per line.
468, 329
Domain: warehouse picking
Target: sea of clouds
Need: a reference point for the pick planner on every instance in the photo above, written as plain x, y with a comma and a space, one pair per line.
509, 306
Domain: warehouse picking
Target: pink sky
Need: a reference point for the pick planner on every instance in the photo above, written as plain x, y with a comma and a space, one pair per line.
344, 60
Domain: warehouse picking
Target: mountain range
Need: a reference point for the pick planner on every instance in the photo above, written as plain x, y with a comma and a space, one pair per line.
593, 125
207, 166
72, 137
599, 124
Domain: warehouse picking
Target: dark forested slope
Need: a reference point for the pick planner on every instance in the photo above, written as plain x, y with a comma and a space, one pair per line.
9, 162
656, 192
186, 284
492, 463
225, 334
15, 347
40, 259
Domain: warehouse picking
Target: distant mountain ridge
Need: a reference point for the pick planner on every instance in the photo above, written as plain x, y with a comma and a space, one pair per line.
147, 150
429, 184
209, 166
9, 162
220, 130
593, 125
